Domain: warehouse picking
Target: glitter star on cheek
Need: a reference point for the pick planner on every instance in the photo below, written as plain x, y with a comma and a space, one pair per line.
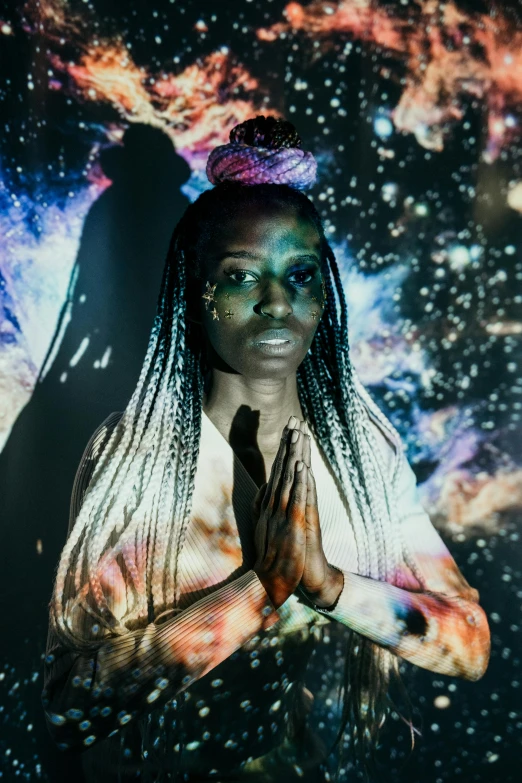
209, 294
215, 315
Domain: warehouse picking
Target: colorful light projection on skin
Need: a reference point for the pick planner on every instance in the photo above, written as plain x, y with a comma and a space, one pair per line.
443, 628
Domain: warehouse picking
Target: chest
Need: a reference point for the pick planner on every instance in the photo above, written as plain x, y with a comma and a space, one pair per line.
219, 540
257, 464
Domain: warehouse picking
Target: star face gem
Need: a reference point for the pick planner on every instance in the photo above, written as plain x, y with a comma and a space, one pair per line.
228, 314
215, 315
314, 314
209, 294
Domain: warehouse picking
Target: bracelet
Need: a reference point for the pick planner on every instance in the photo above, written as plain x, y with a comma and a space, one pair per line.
332, 607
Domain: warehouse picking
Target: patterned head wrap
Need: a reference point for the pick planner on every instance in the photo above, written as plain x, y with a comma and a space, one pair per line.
263, 150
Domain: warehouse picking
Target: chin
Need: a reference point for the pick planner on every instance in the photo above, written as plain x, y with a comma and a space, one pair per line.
271, 369
257, 364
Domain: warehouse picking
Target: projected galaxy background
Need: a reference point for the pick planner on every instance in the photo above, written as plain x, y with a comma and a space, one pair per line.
414, 112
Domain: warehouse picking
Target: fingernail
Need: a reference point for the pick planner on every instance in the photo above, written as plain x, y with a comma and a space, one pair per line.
300, 466
295, 435
292, 421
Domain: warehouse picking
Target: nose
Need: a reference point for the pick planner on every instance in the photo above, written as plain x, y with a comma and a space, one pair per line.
274, 301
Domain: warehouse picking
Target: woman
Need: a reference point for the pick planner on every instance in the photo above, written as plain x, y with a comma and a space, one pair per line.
250, 494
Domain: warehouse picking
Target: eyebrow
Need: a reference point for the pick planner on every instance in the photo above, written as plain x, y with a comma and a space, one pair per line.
253, 257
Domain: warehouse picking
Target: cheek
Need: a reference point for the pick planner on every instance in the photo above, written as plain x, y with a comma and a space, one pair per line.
226, 334
234, 311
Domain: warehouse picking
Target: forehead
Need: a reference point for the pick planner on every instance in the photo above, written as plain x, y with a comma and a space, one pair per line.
265, 231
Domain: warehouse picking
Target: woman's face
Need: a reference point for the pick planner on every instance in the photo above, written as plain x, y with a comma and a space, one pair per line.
265, 267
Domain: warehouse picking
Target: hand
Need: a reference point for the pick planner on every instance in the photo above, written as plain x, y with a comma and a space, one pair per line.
280, 534
317, 572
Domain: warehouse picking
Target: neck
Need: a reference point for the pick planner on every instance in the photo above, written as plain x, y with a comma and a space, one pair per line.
252, 412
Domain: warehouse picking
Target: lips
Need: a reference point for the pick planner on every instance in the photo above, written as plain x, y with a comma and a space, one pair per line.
276, 349
275, 334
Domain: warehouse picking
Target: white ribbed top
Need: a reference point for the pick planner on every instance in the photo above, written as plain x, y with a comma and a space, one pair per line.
226, 612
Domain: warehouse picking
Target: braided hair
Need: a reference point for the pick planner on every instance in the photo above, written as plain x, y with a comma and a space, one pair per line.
138, 503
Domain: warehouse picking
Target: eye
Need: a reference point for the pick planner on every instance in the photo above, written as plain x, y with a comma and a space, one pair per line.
239, 272
306, 274
301, 273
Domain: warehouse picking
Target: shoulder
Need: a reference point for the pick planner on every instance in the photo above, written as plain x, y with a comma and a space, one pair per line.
93, 449
101, 435
98, 439
97, 442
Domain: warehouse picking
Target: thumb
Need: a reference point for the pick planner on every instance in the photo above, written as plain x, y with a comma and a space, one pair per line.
258, 499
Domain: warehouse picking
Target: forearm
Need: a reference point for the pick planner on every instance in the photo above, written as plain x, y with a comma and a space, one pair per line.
130, 674
447, 635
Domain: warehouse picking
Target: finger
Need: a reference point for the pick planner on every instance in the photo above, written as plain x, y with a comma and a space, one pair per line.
291, 531
294, 453
296, 508
306, 443
312, 511
307, 451
303, 426
277, 468
256, 503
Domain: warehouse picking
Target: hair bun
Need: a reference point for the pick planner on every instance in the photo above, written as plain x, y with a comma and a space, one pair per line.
267, 132
263, 150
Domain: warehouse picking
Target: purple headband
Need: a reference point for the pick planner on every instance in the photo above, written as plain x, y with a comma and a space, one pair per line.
255, 165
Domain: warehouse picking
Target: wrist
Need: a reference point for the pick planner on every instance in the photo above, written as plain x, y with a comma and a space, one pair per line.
277, 597
329, 594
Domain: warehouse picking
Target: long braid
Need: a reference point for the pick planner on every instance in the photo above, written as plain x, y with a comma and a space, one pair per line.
115, 516
355, 416
166, 414
119, 474
112, 476
190, 465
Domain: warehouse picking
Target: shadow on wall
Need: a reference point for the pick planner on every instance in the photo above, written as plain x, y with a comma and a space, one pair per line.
119, 268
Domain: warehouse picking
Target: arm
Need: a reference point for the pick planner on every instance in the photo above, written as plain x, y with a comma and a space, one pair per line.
88, 696
443, 628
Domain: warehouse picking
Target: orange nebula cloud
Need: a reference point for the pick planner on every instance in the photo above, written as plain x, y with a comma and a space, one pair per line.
107, 73
466, 500
196, 108
448, 54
